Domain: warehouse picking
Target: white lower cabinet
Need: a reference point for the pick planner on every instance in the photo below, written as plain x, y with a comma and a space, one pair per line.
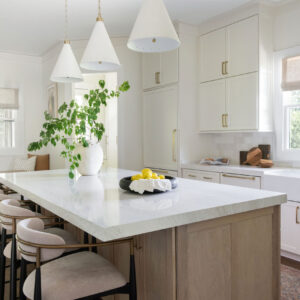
203, 176
290, 227
241, 180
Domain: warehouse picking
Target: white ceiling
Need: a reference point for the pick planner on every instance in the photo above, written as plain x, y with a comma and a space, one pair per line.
33, 26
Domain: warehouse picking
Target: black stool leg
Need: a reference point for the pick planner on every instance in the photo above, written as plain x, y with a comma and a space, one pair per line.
2, 264
13, 269
132, 280
94, 249
23, 277
37, 285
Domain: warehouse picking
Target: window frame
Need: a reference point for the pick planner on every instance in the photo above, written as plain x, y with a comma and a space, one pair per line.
280, 111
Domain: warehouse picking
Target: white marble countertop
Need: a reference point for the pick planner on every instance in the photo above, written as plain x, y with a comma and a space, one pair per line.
98, 206
245, 170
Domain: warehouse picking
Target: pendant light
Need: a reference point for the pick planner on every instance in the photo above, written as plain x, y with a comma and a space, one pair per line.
153, 30
66, 69
100, 54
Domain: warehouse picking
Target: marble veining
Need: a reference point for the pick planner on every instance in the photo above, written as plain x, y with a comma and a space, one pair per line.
97, 205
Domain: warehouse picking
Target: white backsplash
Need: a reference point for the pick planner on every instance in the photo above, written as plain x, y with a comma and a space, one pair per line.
229, 145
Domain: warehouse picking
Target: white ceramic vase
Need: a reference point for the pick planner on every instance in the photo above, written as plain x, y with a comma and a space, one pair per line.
91, 159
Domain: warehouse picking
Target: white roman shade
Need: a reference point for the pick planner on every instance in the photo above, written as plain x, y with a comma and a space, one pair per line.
291, 73
9, 98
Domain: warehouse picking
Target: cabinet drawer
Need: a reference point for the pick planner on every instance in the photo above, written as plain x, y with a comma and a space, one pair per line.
200, 175
241, 180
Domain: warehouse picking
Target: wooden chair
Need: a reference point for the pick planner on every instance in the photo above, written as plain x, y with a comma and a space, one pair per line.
10, 213
84, 275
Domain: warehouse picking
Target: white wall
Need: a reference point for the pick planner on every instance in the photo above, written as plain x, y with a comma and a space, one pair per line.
22, 72
129, 104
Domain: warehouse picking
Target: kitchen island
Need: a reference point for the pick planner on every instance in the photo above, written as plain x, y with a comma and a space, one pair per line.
200, 241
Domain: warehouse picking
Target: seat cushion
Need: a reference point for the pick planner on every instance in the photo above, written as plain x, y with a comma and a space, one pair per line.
75, 276
42, 162
66, 235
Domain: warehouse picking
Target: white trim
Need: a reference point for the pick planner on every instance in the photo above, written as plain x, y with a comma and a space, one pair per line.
282, 154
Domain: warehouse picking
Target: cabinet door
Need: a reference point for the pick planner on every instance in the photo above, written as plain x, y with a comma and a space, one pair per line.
242, 102
160, 129
151, 67
212, 99
290, 227
241, 180
169, 67
212, 55
243, 47
155, 265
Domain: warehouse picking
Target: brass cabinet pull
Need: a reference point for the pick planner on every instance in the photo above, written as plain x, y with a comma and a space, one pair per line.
239, 177
207, 178
193, 176
226, 120
223, 122
226, 67
223, 68
157, 77
174, 145
297, 210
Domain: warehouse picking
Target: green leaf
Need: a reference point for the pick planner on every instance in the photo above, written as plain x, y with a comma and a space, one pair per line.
71, 174
102, 83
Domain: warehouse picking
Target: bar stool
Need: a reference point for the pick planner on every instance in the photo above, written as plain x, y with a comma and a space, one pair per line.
84, 275
10, 214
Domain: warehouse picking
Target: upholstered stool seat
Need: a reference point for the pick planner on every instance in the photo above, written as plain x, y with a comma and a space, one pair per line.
66, 235
75, 276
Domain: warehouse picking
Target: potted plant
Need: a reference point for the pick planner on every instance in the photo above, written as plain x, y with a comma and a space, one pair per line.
77, 128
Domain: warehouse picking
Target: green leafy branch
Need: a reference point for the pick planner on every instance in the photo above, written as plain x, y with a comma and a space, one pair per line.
77, 124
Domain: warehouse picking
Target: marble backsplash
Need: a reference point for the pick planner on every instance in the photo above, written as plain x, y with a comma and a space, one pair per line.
229, 145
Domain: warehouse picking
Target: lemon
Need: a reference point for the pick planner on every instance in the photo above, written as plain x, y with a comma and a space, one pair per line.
147, 173
161, 177
147, 177
139, 176
154, 176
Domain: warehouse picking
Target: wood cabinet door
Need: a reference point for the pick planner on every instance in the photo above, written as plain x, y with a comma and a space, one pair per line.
212, 48
155, 265
242, 102
211, 105
151, 66
160, 129
243, 47
290, 229
169, 67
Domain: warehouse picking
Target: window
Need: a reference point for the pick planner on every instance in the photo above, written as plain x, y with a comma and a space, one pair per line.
7, 128
8, 113
287, 104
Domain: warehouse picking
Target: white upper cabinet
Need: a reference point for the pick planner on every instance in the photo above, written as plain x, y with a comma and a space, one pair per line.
211, 110
243, 47
212, 55
242, 102
237, 61
160, 69
160, 128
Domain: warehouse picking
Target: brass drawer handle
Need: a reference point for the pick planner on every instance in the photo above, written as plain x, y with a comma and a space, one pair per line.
239, 177
157, 77
297, 210
207, 178
193, 176
226, 120
223, 68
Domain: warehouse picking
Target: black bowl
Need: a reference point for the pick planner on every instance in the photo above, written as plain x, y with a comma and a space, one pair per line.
126, 181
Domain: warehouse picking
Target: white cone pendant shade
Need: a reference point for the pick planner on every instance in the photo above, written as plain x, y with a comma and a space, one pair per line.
153, 30
66, 68
100, 54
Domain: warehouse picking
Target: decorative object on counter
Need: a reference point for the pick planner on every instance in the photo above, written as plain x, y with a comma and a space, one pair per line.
243, 156
266, 151
215, 162
148, 182
77, 127
266, 163
254, 156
